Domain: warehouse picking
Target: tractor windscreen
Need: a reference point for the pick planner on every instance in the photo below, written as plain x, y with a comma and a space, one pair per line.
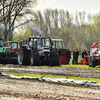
43, 42
40, 42
96, 46
1, 43
47, 43
57, 44
14, 45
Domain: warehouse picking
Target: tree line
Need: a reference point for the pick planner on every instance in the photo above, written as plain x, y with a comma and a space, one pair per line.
76, 29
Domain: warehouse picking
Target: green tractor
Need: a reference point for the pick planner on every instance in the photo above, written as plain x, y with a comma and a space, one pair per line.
4, 53
59, 43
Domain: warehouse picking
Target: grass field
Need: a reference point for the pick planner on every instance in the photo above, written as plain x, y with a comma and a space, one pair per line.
81, 66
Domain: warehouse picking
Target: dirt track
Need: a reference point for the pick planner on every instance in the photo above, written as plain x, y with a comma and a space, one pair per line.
68, 71
13, 89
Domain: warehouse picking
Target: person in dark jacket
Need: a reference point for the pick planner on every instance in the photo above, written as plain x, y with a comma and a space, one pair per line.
74, 57
59, 52
68, 56
77, 54
84, 53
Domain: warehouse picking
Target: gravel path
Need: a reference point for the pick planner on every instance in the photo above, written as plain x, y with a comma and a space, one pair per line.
12, 89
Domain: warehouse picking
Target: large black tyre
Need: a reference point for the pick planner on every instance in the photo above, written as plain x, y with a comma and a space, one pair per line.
91, 62
90, 65
34, 59
23, 57
54, 59
1, 61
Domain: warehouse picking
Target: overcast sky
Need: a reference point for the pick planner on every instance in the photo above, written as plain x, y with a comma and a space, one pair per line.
89, 6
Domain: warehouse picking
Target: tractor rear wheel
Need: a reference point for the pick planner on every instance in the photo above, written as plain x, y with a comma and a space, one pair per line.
20, 57
23, 57
32, 59
35, 59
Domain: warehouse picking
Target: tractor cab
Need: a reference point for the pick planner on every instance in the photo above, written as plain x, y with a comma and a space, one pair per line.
4, 52
1, 43
15, 46
39, 41
3, 49
36, 41
94, 55
39, 44
59, 43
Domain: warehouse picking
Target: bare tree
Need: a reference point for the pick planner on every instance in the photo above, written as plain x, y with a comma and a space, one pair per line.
47, 21
62, 18
11, 11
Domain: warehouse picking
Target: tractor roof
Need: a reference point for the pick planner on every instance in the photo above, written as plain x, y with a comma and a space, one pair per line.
56, 39
13, 41
35, 37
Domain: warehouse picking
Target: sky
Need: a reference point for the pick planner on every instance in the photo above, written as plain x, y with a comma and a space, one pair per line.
89, 6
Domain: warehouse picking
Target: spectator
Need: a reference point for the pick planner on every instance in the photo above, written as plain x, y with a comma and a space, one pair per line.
68, 56
59, 52
74, 57
84, 53
77, 54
